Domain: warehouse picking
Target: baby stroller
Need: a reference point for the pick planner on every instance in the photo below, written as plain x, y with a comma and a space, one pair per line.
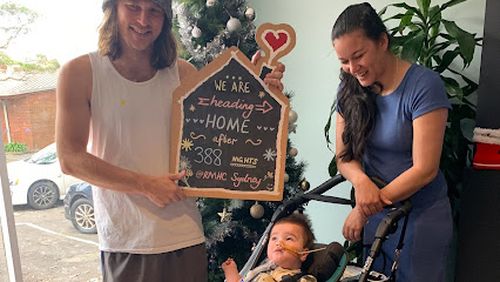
330, 264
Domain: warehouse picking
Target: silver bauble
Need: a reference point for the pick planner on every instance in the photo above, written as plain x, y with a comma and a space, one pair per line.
286, 178
293, 152
292, 116
233, 25
257, 210
210, 3
250, 14
196, 32
304, 185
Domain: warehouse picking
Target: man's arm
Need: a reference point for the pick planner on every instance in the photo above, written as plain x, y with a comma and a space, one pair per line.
73, 94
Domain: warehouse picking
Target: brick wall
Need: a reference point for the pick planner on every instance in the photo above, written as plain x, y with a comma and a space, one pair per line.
31, 118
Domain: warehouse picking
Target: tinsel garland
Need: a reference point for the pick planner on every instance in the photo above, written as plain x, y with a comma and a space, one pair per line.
203, 50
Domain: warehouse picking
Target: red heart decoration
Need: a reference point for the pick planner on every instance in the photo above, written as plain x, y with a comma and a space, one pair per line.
276, 42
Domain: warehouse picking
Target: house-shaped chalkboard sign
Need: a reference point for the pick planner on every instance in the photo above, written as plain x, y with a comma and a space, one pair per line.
230, 129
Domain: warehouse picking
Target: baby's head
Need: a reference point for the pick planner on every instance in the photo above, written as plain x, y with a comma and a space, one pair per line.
289, 237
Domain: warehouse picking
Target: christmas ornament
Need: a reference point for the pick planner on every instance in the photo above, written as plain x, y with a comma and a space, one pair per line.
292, 117
487, 155
250, 14
293, 152
304, 185
292, 128
196, 32
225, 216
256, 210
286, 178
210, 3
233, 25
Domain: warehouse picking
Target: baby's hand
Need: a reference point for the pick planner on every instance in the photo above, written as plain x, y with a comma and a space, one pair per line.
228, 264
231, 270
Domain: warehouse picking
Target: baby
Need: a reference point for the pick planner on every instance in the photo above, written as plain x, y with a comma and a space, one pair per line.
290, 239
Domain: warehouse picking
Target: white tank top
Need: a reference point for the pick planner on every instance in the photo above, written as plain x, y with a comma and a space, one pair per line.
130, 124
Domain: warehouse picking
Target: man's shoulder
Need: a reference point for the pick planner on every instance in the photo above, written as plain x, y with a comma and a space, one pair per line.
76, 76
78, 66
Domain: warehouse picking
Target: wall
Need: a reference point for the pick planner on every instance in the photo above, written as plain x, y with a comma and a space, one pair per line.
312, 74
479, 226
31, 118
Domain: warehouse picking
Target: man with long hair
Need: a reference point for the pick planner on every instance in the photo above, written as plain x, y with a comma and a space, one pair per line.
112, 130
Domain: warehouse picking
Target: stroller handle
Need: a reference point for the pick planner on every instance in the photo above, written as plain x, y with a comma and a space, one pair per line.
287, 208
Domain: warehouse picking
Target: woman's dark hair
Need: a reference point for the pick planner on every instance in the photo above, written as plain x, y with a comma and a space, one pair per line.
356, 104
164, 48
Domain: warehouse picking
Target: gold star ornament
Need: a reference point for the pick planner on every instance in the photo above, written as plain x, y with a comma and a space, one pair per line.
225, 216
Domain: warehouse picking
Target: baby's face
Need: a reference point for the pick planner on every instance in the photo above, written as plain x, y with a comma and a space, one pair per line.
286, 239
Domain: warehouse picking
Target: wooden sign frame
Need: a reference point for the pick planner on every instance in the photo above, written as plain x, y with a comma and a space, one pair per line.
275, 180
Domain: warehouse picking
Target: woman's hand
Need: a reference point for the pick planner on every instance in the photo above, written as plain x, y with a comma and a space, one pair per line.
369, 199
353, 225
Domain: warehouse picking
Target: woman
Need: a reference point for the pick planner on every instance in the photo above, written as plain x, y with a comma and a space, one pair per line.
390, 124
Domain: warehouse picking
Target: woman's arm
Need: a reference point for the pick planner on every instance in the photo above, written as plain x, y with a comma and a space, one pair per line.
73, 114
428, 134
366, 192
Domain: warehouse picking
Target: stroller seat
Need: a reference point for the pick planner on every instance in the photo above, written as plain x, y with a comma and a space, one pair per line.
327, 265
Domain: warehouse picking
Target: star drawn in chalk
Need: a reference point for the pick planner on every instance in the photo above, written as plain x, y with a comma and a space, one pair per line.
187, 144
184, 163
269, 175
192, 108
269, 154
262, 94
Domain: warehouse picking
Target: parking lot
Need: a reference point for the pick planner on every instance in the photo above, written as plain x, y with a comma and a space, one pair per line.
51, 249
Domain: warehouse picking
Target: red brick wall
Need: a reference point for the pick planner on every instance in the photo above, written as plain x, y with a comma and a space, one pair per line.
31, 118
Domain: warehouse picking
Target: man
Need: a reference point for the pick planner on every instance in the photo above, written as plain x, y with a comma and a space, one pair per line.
116, 102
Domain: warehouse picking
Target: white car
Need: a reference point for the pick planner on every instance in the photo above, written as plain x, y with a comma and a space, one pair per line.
38, 180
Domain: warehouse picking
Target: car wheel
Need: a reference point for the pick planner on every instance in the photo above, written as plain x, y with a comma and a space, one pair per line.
43, 195
82, 216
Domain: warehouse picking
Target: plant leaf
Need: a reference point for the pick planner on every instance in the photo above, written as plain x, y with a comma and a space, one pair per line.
332, 167
409, 8
451, 3
405, 21
328, 124
453, 88
423, 5
465, 41
467, 127
413, 46
434, 15
395, 17
382, 11
447, 59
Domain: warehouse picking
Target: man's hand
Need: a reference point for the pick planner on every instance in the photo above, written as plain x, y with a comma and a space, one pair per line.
274, 77
163, 190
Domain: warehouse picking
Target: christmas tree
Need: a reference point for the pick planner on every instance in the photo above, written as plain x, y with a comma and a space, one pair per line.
232, 227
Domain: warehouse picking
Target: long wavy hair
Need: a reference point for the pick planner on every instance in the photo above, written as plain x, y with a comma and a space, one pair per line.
164, 48
356, 104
